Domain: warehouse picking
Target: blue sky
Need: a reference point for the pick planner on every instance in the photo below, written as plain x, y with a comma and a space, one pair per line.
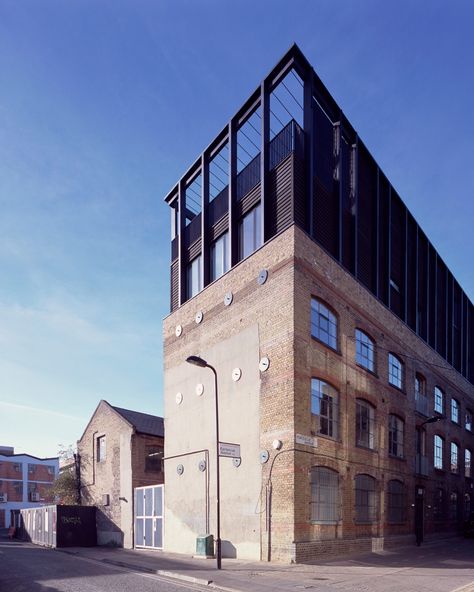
104, 104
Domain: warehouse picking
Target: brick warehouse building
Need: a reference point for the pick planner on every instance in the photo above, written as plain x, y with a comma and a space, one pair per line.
342, 343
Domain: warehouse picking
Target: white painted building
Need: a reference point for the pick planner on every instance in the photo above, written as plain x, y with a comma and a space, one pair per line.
25, 482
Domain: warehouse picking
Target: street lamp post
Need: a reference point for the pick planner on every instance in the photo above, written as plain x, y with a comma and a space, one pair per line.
197, 361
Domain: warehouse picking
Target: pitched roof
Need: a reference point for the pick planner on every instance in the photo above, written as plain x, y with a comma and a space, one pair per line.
143, 422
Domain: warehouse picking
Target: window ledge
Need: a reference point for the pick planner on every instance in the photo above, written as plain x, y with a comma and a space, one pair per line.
400, 390
327, 346
395, 457
366, 448
368, 370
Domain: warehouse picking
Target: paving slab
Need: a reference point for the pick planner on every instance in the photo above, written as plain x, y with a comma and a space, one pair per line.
443, 566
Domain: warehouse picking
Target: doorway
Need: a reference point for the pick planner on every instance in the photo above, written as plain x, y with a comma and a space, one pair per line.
149, 517
419, 514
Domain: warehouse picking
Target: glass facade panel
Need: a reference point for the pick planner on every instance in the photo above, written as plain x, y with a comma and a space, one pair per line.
193, 278
323, 323
365, 424
438, 400
397, 502
324, 405
366, 499
324, 495
219, 257
395, 371
365, 351
250, 233
396, 430
454, 458
438, 452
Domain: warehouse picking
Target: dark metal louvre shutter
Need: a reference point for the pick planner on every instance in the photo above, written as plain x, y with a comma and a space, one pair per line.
366, 218
384, 237
422, 313
470, 355
432, 296
348, 207
457, 333
174, 287
397, 255
411, 272
441, 281
326, 198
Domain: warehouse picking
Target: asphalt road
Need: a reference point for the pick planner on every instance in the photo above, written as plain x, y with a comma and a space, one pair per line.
29, 568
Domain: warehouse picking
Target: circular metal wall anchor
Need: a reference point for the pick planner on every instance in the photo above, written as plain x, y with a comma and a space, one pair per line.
199, 316
236, 462
228, 298
262, 277
264, 456
180, 469
179, 398
199, 389
202, 465
178, 330
236, 374
264, 364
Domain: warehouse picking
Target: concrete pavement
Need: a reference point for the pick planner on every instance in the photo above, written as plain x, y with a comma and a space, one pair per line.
434, 567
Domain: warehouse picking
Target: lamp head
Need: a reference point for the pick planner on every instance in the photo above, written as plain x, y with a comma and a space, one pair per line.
196, 361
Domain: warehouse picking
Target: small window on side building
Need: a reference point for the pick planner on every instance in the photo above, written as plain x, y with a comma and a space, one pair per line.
153, 458
101, 449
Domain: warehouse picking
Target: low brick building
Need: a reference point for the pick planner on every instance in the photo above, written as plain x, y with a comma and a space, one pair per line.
341, 341
119, 451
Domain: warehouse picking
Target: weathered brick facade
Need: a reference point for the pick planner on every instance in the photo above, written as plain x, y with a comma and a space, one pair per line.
109, 483
280, 309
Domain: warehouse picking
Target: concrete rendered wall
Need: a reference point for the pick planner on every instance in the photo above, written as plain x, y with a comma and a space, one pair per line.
253, 411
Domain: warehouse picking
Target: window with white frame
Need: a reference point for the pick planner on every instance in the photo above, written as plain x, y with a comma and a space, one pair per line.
325, 407
455, 407
324, 495
396, 429
323, 323
396, 502
250, 232
395, 371
454, 457
468, 420
366, 499
193, 277
220, 256
438, 451
438, 400
101, 449
365, 350
365, 424
467, 462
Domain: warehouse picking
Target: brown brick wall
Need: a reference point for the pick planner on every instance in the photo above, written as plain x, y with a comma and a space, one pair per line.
38, 472
299, 269
10, 470
103, 478
141, 476
13, 489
